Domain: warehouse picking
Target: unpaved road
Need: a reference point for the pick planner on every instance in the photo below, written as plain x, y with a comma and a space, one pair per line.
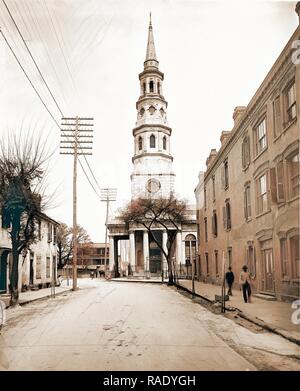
134, 326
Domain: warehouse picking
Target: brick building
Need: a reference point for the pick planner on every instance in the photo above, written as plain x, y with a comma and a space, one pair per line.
91, 257
248, 197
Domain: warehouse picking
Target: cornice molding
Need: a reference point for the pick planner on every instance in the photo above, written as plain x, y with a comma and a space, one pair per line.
146, 154
152, 128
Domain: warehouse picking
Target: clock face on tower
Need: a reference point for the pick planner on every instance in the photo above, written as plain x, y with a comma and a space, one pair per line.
153, 186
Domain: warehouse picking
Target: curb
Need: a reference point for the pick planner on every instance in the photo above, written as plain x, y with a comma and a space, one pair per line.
258, 322
43, 297
137, 281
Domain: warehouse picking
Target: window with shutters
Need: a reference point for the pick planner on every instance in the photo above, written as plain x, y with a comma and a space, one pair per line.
246, 152
49, 236
205, 229
295, 255
229, 256
247, 201
260, 136
217, 262
227, 215
226, 174
290, 103
214, 187
205, 200
284, 257
251, 260
262, 204
48, 267
39, 230
214, 224
207, 263
280, 182
276, 117
38, 267
293, 175
54, 234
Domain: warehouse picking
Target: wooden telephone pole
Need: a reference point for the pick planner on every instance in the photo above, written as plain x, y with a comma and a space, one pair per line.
76, 140
107, 195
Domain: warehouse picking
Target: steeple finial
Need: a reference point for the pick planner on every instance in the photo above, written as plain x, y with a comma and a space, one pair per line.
150, 54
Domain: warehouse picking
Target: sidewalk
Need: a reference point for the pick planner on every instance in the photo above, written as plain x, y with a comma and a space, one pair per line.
27, 297
274, 315
152, 280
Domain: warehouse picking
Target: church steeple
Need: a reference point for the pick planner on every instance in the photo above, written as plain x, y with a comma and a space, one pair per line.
152, 160
151, 59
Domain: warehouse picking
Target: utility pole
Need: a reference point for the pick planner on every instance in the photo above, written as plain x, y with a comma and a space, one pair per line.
107, 195
76, 140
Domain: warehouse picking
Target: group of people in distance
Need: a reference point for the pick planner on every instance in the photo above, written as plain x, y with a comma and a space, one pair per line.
244, 281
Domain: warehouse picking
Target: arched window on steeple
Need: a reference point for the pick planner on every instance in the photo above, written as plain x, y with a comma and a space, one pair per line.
140, 143
151, 86
152, 141
158, 88
164, 142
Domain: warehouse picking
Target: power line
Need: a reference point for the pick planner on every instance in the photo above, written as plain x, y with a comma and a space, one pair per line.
29, 51
44, 104
32, 15
27, 77
59, 43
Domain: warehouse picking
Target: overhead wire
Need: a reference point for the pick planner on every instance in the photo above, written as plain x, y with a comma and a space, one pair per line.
37, 67
42, 101
31, 56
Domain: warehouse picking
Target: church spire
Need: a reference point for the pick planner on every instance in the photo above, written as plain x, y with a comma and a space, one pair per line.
150, 53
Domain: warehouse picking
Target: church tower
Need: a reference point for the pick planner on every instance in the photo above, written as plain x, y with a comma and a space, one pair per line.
152, 174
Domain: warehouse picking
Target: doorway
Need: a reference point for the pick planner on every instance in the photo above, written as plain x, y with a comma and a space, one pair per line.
31, 269
268, 271
3, 271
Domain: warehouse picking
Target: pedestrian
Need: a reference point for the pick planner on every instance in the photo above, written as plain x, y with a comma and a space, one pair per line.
92, 275
245, 280
229, 276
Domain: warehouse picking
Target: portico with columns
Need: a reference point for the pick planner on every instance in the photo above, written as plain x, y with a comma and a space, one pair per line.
152, 176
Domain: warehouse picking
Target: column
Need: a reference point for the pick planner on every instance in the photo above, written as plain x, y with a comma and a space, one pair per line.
111, 253
178, 248
164, 243
132, 260
146, 251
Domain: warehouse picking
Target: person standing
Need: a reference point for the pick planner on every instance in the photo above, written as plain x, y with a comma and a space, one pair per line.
245, 280
229, 276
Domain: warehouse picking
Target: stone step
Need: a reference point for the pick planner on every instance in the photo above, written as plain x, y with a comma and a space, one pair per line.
264, 296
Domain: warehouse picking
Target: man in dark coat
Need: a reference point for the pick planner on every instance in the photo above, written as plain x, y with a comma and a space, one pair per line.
229, 279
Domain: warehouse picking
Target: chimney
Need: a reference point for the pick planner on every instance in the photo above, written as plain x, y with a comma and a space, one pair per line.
297, 9
224, 137
237, 113
211, 157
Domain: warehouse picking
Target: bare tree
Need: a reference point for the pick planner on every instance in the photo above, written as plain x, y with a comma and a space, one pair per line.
23, 164
65, 244
151, 213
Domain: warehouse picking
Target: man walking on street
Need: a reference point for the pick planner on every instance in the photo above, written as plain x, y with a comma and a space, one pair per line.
229, 279
245, 280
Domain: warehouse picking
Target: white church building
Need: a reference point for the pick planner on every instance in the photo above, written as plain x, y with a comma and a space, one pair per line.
152, 176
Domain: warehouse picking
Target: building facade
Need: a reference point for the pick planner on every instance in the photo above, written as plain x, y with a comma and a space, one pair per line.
152, 176
91, 257
248, 197
38, 269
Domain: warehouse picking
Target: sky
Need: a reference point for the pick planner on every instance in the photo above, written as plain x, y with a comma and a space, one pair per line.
214, 55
